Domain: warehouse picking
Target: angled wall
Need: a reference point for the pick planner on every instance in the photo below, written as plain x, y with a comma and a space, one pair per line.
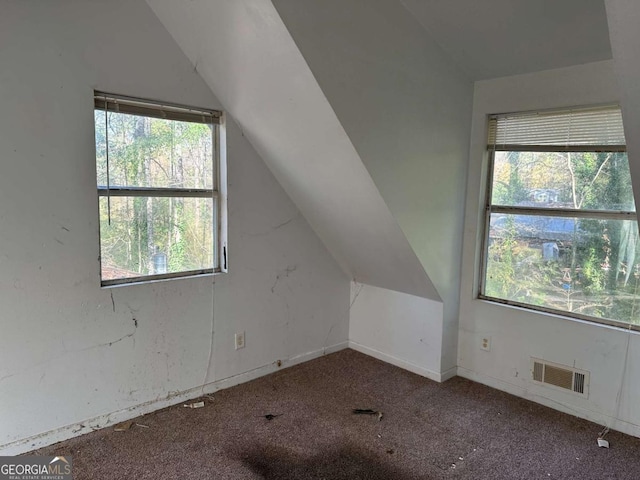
407, 109
398, 328
74, 356
245, 53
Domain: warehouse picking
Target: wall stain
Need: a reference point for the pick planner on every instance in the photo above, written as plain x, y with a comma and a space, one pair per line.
271, 229
283, 274
355, 297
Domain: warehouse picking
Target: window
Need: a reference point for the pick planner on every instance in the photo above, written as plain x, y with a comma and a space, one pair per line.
561, 232
161, 189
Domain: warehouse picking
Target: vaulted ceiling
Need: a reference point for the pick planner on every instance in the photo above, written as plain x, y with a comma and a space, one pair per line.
247, 55
243, 50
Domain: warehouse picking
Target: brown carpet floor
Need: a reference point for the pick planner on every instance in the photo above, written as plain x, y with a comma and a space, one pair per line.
459, 429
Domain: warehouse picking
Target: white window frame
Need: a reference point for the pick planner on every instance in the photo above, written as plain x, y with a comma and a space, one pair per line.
489, 208
109, 102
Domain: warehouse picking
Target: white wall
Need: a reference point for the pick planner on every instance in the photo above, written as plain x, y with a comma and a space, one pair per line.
244, 52
398, 328
407, 108
71, 355
623, 17
518, 334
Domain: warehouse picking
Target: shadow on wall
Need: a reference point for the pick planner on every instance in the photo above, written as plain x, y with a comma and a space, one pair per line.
341, 463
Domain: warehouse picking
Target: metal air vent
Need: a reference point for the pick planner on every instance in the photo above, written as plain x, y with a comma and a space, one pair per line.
560, 376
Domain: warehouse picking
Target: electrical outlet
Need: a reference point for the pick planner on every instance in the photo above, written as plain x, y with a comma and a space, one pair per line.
239, 340
485, 344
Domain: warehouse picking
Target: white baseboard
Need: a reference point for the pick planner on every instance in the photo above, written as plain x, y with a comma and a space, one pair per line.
447, 374
398, 362
102, 421
518, 391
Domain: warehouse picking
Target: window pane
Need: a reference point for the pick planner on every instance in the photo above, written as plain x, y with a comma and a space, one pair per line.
152, 152
589, 267
580, 180
151, 235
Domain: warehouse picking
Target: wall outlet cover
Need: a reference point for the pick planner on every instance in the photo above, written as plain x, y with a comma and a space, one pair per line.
240, 340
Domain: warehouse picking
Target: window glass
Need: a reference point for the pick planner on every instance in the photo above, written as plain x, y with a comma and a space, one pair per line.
585, 266
579, 180
561, 230
158, 190
145, 230
153, 152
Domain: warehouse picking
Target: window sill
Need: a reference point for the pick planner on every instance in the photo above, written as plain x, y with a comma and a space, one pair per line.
159, 278
582, 319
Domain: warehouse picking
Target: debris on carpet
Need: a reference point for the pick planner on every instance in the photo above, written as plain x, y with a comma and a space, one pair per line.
271, 416
601, 441
367, 411
123, 427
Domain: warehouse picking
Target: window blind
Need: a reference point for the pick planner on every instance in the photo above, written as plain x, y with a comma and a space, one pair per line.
594, 127
131, 106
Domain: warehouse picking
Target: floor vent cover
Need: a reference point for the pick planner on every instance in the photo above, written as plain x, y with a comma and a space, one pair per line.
560, 376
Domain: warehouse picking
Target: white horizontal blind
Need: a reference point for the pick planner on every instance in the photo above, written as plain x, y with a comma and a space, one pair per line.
133, 106
594, 126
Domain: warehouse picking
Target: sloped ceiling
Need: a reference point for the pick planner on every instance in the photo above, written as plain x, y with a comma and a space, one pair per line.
244, 52
407, 110
497, 38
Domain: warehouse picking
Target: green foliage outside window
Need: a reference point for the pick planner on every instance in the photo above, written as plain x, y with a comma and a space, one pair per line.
587, 266
154, 153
